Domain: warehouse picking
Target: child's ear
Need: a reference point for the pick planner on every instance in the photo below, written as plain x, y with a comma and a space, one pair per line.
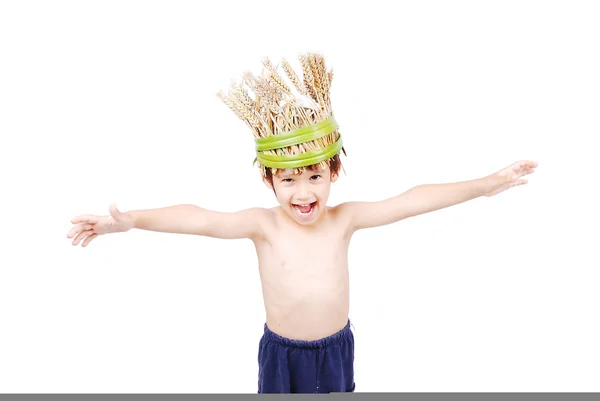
334, 177
268, 183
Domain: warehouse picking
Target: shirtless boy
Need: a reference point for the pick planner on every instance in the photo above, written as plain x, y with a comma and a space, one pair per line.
307, 346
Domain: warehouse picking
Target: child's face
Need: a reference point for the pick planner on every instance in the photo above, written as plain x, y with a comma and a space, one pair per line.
303, 196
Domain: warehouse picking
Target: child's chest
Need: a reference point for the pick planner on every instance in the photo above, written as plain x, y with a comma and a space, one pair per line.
302, 253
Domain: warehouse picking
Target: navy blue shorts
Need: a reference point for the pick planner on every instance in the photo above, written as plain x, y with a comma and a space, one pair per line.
294, 366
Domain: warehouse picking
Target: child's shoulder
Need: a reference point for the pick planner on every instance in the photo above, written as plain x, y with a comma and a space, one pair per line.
264, 216
342, 210
345, 214
261, 213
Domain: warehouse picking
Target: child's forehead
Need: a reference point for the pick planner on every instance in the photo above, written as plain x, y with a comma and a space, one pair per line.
300, 171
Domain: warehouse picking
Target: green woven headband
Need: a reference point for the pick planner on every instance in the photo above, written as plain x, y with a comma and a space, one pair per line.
301, 135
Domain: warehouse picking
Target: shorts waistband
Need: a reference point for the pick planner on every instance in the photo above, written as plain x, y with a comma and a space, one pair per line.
341, 335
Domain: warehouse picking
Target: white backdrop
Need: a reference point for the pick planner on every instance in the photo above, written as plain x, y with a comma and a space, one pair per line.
115, 101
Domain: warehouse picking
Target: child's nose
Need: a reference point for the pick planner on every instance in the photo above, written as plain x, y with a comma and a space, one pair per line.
303, 192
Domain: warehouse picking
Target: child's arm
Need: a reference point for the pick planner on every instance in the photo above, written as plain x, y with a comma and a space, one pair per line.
430, 197
192, 219
180, 219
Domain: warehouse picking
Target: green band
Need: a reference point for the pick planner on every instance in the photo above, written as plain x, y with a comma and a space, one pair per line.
301, 135
301, 160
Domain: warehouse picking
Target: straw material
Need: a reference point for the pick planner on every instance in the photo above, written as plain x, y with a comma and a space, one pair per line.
270, 105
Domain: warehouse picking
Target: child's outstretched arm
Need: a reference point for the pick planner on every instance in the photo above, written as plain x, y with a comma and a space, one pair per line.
179, 219
427, 198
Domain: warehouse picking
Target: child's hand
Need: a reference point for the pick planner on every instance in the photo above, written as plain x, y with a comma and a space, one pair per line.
509, 177
90, 226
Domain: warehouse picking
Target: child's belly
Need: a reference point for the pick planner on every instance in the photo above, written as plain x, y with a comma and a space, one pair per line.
306, 302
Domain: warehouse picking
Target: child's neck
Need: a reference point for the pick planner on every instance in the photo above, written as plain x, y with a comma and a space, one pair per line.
305, 228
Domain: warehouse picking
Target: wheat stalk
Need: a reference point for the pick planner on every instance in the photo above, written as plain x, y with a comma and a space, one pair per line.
289, 71
250, 109
276, 78
308, 77
233, 105
316, 76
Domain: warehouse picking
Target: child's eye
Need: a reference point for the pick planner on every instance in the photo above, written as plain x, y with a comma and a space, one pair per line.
287, 180
315, 177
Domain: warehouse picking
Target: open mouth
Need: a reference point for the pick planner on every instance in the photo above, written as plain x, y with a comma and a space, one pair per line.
305, 210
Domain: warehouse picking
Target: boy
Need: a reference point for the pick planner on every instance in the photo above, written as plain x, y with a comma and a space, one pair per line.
307, 346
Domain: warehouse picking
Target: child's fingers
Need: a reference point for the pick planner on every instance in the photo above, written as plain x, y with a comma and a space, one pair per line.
529, 170
527, 163
88, 240
78, 228
86, 218
113, 210
516, 184
80, 236
523, 171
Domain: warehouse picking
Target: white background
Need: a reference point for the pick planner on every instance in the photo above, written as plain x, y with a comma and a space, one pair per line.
115, 101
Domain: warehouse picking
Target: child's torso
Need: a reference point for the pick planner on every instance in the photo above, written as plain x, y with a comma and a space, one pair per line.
305, 280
